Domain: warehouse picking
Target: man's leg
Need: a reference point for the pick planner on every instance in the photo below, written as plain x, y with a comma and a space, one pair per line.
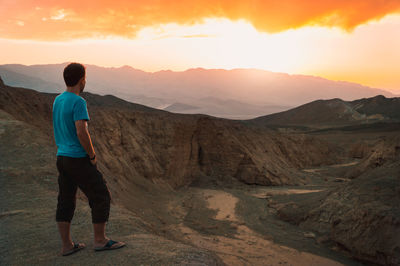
65, 205
100, 238
94, 187
64, 229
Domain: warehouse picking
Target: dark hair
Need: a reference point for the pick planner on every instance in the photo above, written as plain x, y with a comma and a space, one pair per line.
73, 73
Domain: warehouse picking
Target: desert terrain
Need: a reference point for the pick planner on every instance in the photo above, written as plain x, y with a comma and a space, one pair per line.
314, 186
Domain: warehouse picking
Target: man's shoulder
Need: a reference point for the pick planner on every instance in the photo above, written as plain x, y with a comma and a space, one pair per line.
58, 98
80, 100
68, 96
77, 97
61, 95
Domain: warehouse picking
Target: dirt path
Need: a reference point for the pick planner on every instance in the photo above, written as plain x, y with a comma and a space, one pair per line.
245, 246
316, 170
267, 192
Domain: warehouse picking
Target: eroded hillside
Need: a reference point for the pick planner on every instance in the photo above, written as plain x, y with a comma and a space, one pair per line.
139, 143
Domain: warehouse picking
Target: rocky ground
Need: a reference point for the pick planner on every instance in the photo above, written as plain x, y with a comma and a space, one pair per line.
195, 190
200, 226
29, 235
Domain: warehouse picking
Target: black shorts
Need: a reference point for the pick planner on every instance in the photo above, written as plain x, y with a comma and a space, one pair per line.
80, 172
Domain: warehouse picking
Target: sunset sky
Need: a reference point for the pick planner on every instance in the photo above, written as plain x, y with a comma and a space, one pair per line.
352, 40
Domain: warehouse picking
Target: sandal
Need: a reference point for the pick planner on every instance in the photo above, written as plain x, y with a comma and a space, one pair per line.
110, 245
75, 248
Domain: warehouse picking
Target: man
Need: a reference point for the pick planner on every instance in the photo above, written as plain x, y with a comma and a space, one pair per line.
76, 164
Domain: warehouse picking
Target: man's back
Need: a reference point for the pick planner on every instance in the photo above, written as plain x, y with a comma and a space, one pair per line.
68, 108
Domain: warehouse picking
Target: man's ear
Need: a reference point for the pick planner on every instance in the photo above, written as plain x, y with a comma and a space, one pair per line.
82, 83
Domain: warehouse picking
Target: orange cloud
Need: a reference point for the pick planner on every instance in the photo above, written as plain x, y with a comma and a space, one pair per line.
72, 19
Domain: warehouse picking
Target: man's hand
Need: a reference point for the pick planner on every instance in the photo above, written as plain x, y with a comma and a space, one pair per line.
94, 161
85, 140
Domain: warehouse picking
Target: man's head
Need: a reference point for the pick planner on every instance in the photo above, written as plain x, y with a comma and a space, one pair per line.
75, 75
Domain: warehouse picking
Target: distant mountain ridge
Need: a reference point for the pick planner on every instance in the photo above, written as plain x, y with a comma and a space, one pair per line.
236, 93
22, 80
337, 112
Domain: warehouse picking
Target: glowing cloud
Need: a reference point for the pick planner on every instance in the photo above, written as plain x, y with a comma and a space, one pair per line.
72, 19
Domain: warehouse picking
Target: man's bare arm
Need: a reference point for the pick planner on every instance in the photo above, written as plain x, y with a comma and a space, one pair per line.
84, 138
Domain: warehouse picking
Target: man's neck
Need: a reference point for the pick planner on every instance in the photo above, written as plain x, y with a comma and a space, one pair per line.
73, 90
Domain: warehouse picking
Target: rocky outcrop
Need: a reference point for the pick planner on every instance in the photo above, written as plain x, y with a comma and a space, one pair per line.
361, 216
359, 150
375, 155
368, 226
141, 145
181, 149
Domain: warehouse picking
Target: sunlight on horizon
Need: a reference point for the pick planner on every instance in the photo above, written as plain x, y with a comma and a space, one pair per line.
364, 56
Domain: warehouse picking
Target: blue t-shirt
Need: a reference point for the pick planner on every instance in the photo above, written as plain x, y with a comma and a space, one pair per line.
68, 108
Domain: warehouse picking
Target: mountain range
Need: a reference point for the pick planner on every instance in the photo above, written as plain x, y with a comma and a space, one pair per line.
336, 112
235, 94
